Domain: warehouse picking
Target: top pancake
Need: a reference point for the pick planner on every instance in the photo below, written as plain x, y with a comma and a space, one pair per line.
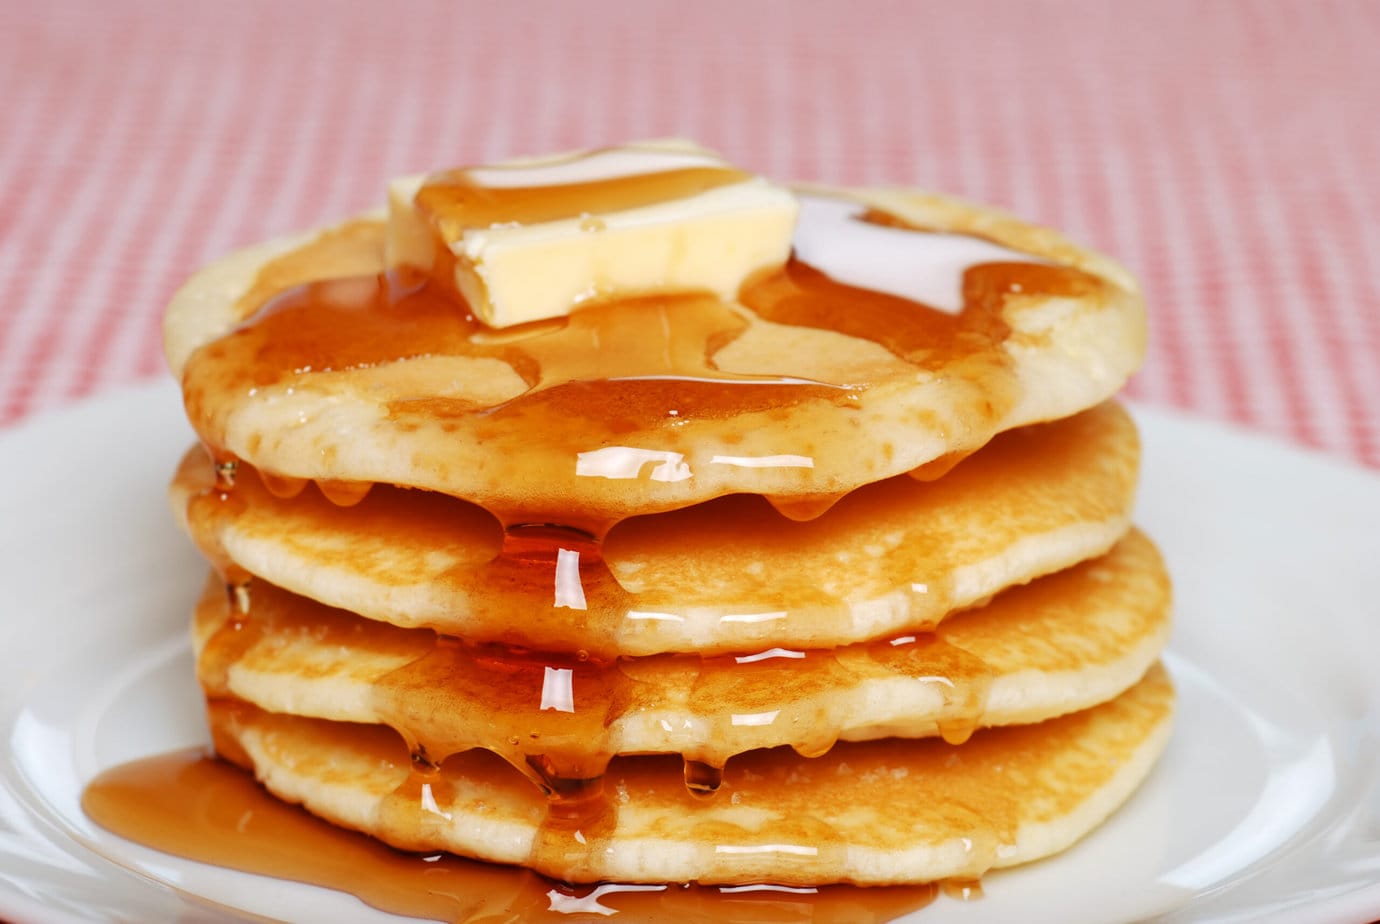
802, 390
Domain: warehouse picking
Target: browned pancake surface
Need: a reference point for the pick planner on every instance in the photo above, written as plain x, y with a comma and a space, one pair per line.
1065, 642
729, 575
872, 812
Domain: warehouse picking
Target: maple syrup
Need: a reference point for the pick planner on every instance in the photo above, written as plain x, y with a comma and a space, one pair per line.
559, 718
630, 366
204, 809
658, 583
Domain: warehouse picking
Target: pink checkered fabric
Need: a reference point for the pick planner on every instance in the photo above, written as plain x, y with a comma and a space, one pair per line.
1229, 152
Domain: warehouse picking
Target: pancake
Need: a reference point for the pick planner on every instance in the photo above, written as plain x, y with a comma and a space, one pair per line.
667, 527
727, 575
879, 812
1063, 643
802, 390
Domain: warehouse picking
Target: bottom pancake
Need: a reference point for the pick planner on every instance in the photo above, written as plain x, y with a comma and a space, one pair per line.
878, 812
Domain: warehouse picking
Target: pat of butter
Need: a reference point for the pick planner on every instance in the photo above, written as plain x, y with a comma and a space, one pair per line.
534, 239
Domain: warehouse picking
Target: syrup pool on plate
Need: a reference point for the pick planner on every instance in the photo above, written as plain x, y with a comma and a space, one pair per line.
191, 805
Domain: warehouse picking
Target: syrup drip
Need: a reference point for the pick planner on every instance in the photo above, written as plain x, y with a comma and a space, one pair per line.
226, 469
422, 763
537, 547
935, 469
238, 595
207, 810
803, 508
282, 486
572, 798
559, 718
547, 715
963, 678
701, 778
579, 821
226, 475
211, 509
344, 493
558, 573
812, 747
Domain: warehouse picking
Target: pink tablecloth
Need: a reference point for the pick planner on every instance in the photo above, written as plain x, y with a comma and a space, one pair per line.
1229, 152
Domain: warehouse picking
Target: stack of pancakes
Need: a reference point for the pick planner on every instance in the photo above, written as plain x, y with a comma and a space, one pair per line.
824, 584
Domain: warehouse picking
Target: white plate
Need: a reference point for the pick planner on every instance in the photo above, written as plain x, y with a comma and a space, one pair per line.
1266, 806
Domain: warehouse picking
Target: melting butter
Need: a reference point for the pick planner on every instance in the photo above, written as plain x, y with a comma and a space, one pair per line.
535, 239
